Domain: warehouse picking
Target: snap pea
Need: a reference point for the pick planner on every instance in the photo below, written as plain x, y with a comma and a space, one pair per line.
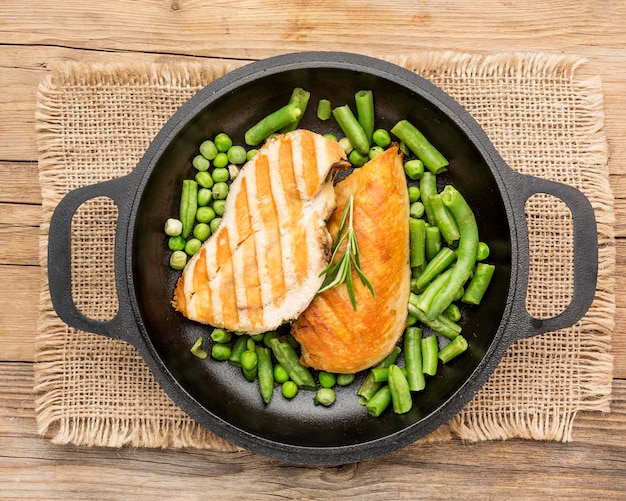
265, 373
352, 129
400, 393
418, 144
288, 358
188, 206
241, 345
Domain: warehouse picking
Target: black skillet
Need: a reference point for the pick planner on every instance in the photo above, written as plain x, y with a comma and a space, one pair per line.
215, 394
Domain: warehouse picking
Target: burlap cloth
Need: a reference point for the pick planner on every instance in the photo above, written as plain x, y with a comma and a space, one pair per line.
94, 122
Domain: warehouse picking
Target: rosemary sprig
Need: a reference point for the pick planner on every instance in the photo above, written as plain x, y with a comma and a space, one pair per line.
341, 271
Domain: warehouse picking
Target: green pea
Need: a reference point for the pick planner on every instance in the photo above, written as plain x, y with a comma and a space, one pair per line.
200, 163
289, 389
345, 379
204, 197
204, 179
215, 223
192, 246
178, 260
176, 243
357, 159
208, 149
248, 360
223, 142
218, 207
414, 194
268, 336
221, 351
202, 231
414, 169
332, 137
237, 155
381, 137
173, 227
416, 210
374, 152
482, 252
220, 191
220, 175
280, 374
325, 397
251, 153
205, 214
221, 336
327, 379
221, 160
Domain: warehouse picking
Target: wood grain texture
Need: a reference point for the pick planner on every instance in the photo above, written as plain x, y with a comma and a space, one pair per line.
34, 36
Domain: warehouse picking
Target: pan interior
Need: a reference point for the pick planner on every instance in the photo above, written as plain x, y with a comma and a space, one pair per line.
221, 392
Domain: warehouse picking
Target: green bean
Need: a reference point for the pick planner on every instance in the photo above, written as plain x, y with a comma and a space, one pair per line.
325, 397
188, 206
204, 197
204, 179
173, 227
345, 379
414, 169
289, 389
483, 251
419, 145
192, 246
381, 374
438, 264
369, 387
411, 320
208, 149
272, 123
205, 214
221, 160
200, 163
265, 373
221, 352
327, 379
430, 350
453, 349
352, 129
434, 288
466, 252
280, 374
381, 137
241, 345
202, 231
433, 242
197, 350
417, 229
441, 325
257, 338
413, 358
268, 336
444, 220
288, 358
221, 336
223, 142
236, 155
428, 188
478, 284
176, 243
452, 312
364, 100
379, 401
300, 99
400, 393
324, 109
414, 194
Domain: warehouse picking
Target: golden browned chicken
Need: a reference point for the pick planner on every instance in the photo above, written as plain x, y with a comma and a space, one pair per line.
334, 337
262, 266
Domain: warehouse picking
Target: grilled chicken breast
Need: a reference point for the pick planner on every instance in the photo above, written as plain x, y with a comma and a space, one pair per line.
262, 266
333, 336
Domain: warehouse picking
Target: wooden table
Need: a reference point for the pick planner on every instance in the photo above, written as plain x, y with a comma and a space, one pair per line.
35, 34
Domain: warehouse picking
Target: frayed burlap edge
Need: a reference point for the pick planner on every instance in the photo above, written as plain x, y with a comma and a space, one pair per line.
595, 393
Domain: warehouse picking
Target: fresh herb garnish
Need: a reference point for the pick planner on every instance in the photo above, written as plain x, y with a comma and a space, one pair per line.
341, 271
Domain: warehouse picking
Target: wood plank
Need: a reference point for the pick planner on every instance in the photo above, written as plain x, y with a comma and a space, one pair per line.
31, 467
24, 185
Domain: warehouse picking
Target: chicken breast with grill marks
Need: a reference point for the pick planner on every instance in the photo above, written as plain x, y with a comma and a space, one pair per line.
333, 336
262, 266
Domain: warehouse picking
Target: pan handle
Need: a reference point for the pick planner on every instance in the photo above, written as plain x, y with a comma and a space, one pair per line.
585, 263
122, 325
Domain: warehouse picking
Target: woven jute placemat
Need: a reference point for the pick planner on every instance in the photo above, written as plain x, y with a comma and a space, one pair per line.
94, 122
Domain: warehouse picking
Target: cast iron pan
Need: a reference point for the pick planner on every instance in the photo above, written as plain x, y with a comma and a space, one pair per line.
215, 394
